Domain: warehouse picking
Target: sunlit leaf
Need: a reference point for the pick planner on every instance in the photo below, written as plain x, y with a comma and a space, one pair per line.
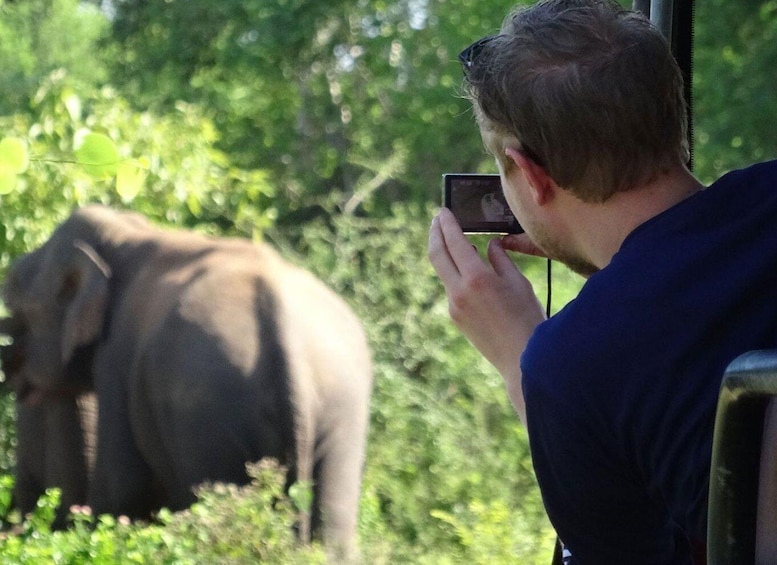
98, 154
130, 176
194, 205
301, 494
73, 105
7, 179
13, 154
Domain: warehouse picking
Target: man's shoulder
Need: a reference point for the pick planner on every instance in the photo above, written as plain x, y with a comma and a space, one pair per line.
762, 171
750, 184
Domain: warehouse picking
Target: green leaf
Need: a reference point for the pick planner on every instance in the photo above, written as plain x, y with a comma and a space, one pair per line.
7, 179
6, 496
130, 176
13, 153
301, 494
98, 154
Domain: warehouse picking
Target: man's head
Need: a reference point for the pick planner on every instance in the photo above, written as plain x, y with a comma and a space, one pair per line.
585, 89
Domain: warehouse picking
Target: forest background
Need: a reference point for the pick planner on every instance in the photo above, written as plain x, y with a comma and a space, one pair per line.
323, 129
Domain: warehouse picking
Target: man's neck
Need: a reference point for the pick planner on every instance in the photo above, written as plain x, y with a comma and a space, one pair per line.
605, 226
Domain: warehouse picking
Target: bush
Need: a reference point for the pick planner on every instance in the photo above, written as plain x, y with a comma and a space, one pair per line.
228, 524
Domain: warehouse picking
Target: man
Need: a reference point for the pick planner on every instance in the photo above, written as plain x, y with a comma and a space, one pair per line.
581, 104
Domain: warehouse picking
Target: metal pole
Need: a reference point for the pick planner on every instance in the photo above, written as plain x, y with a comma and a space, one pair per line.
642, 6
661, 15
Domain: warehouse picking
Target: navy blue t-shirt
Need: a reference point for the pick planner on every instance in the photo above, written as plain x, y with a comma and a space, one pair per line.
621, 386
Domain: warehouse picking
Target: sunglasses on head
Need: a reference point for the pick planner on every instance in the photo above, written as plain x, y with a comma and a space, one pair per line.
470, 54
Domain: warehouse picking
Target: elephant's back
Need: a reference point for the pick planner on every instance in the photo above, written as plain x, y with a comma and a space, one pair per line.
325, 340
251, 298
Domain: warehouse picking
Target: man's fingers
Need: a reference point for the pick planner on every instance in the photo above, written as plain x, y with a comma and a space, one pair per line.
461, 251
438, 253
521, 243
499, 259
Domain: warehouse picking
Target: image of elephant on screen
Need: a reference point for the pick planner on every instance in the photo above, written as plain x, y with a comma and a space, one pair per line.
204, 354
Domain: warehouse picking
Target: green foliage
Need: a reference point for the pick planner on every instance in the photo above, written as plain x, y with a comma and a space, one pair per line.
38, 37
13, 161
97, 153
7, 443
251, 524
94, 148
355, 96
734, 101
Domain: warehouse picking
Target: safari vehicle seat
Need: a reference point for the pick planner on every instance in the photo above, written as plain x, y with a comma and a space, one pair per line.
742, 520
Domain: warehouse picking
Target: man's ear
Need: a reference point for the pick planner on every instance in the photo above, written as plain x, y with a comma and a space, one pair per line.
541, 185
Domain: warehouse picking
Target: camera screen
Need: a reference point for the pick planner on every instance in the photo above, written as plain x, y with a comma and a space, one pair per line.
478, 203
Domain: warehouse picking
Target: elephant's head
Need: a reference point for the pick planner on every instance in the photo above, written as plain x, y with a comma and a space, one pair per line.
57, 296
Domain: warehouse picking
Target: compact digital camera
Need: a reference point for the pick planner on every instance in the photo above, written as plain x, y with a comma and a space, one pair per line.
478, 203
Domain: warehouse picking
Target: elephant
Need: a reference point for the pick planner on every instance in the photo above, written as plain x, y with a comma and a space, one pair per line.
205, 353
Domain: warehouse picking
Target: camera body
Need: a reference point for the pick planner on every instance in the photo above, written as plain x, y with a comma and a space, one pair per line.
478, 203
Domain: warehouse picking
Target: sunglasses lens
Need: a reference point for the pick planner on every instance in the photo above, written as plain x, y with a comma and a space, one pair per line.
468, 57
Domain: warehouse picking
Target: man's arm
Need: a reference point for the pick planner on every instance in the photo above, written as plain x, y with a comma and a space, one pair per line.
493, 305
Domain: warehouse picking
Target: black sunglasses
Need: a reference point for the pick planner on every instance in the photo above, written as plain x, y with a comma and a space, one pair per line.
470, 54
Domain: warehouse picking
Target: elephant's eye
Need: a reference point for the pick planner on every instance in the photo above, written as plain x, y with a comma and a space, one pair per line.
69, 286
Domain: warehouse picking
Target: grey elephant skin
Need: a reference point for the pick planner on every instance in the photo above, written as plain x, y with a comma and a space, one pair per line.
204, 353
55, 433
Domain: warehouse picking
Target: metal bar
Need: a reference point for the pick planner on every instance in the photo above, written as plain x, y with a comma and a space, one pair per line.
661, 15
748, 386
642, 6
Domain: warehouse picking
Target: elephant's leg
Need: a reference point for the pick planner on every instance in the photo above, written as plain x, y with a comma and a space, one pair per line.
195, 415
340, 460
121, 481
30, 456
187, 436
65, 459
209, 442
50, 453
190, 454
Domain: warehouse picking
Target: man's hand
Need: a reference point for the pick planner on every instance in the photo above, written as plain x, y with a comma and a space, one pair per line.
493, 305
521, 243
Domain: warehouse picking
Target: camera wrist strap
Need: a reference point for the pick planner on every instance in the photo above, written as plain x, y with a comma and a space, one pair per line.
547, 301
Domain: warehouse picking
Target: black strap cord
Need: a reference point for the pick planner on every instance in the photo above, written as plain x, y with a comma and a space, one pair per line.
547, 300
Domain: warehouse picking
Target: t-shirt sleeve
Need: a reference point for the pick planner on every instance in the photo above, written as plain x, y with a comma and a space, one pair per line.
595, 499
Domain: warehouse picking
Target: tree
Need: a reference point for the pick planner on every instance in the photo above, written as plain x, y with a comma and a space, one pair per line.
39, 36
734, 83
185, 179
354, 96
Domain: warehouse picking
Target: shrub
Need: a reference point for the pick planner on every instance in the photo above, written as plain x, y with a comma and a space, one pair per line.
228, 524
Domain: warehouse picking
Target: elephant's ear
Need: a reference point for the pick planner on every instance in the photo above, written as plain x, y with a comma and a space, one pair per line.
86, 283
